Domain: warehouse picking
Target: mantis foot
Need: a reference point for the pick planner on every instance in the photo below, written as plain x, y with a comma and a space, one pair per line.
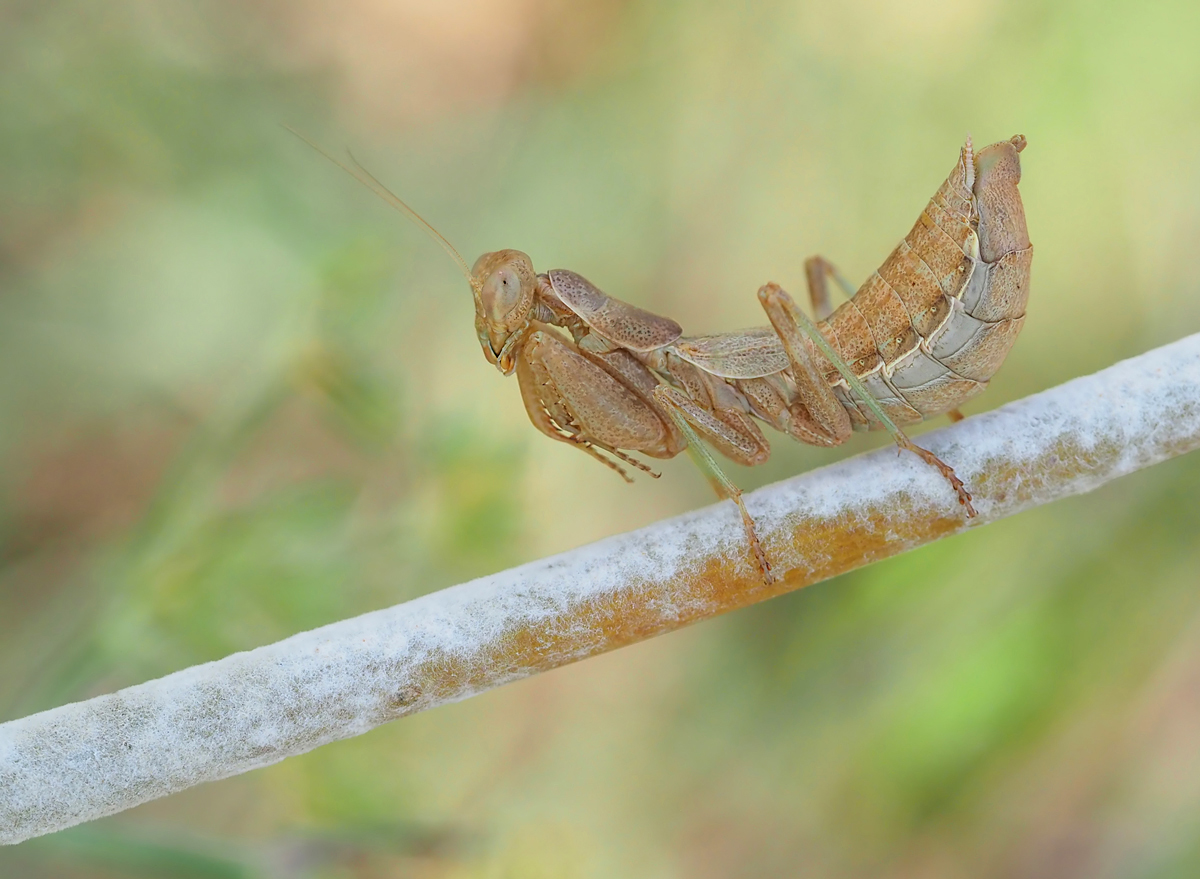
964, 496
760, 555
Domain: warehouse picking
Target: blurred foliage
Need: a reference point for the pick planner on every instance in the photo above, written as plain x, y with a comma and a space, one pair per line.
240, 398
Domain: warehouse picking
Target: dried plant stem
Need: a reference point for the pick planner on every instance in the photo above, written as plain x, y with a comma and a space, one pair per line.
94, 758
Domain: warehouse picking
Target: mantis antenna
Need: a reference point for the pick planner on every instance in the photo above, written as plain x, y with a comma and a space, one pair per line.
367, 179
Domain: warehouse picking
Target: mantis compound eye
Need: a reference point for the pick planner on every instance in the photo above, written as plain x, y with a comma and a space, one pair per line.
501, 294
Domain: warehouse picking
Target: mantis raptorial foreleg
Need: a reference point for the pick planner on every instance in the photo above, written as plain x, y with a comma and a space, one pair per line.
795, 328
692, 420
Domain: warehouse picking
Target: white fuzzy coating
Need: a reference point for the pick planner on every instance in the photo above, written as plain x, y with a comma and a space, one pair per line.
93, 758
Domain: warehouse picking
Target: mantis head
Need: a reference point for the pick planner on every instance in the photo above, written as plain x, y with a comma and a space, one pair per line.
504, 283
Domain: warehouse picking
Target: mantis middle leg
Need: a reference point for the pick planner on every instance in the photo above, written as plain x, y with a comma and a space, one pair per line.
737, 438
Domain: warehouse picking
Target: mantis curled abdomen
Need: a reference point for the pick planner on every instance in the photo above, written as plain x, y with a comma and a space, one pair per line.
928, 330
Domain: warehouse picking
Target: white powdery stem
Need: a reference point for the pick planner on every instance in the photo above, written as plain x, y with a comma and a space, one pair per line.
93, 758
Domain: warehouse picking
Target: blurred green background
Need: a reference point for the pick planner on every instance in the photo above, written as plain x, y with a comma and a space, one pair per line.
240, 398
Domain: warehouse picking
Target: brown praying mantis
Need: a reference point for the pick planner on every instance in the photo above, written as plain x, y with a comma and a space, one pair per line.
925, 333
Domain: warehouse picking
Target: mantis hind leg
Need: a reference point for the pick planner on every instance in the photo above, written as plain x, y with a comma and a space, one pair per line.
797, 333
820, 271
694, 420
